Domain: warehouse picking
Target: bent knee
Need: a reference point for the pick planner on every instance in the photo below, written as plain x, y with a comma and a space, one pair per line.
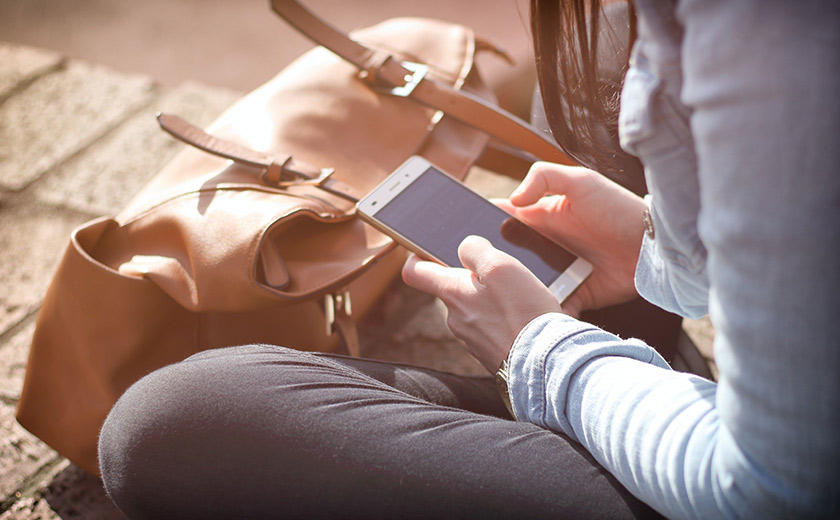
147, 433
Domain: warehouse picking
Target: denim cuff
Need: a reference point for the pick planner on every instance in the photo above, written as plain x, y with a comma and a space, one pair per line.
545, 356
668, 286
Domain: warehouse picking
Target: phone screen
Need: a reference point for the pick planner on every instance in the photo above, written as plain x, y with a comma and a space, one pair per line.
436, 212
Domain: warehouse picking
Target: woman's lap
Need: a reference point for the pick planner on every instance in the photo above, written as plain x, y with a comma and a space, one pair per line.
265, 431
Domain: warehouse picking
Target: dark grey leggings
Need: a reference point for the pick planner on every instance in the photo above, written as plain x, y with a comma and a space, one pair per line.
268, 432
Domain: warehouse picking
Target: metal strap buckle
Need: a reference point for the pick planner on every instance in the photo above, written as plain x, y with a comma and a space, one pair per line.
336, 301
418, 72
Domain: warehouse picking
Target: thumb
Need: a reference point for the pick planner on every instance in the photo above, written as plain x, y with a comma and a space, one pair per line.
431, 277
478, 256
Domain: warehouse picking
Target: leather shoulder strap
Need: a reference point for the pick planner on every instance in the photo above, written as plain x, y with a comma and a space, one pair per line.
409, 80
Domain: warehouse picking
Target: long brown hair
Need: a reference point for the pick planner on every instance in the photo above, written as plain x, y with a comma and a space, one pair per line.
581, 108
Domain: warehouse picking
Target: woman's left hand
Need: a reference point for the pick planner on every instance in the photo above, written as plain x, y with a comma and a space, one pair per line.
489, 300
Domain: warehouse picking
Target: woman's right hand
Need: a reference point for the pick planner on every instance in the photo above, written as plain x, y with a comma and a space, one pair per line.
591, 215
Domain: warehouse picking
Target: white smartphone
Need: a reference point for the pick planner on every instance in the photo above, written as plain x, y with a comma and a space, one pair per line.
430, 213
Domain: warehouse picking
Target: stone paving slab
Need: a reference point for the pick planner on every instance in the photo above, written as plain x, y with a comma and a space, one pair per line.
30, 509
32, 239
106, 176
13, 355
64, 492
22, 456
19, 65
59, 114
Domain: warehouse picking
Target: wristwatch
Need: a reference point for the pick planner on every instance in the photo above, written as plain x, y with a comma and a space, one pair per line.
502, 386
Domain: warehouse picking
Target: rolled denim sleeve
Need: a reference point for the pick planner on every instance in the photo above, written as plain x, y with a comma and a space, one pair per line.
665, 284
653, 428
548, 352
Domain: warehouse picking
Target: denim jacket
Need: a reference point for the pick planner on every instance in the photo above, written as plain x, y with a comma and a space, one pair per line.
734, 109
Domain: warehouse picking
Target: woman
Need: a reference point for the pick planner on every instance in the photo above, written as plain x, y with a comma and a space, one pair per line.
732, 108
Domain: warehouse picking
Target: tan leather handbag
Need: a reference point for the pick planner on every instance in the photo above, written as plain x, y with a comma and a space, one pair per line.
257, 240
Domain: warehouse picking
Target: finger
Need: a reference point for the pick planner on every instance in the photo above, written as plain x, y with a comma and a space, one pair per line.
514, 211
522, 214
505, 205
544, 179
478, 256
540, 212
430, 277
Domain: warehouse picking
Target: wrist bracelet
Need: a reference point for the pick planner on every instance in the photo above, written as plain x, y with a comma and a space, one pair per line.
502, 386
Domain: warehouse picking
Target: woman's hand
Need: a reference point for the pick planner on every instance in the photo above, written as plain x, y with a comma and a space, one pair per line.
493, 297
489, 301
592, 216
